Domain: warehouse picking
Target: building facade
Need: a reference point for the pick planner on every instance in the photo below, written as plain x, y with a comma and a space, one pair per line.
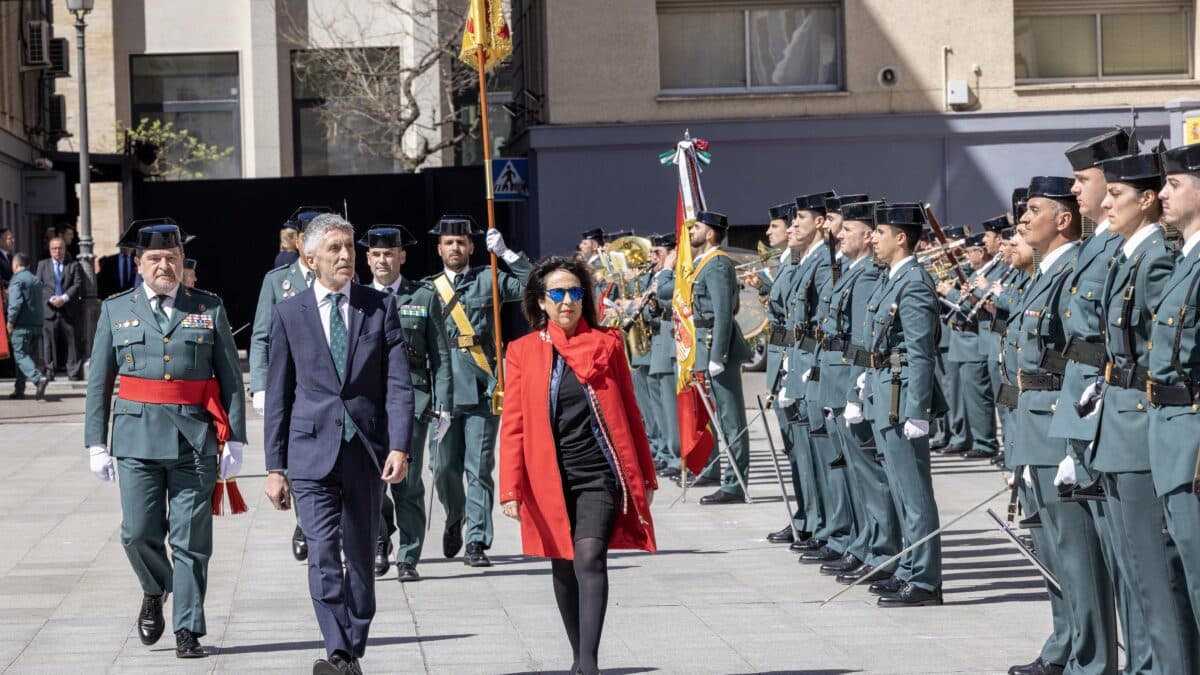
951, 101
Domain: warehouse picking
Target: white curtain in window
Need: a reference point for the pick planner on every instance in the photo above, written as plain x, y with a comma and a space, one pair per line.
793, 47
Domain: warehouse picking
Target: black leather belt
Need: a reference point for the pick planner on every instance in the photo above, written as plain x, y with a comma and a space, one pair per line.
779, 337
883, 360
857, 355
964, 326
998, 326
1126, 378
808, 344
1027, 381
1007, 396
1053, 362
1172, 394
834, 344
1087, 353
702, 323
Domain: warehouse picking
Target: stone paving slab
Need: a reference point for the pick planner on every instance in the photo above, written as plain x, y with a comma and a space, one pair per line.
717, 598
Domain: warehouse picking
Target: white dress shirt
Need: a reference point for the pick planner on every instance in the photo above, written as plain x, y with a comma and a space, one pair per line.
395, 285
813, 248
1191, 243
1054, 255
898, 265
324, 304
168, 307
1138, 237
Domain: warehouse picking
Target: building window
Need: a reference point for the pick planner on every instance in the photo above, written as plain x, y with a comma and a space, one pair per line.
1134, 39
196, 92
749, 47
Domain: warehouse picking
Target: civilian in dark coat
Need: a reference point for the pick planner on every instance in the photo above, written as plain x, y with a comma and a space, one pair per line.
117, 273
63, 281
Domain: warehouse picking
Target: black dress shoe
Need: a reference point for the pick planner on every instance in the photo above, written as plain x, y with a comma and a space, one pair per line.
938, 443
722, 497
383, 549
17, 397
407, 572
187, 645
701, 481
660, 464
839, 463
150, 619
809, 544
452, 539
40, 392
669, 472
475, 556
1031, 522
783, 536
1040, 666
911, 595
846, 562
820, 555
337, 664
954, 449
978, 453
885, 586
998, 459
864, 570
299, 544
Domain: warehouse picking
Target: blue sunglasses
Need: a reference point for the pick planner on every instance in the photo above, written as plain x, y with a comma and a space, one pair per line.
559, 294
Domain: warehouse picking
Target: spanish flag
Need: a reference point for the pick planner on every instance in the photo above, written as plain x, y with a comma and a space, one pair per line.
486, 28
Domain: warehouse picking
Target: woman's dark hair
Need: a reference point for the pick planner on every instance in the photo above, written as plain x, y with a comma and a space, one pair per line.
535, 289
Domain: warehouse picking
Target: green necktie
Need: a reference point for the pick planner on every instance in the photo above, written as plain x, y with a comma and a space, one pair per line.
337, 347
160, 313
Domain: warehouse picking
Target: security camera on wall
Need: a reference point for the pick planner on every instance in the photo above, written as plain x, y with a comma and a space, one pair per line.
888, 76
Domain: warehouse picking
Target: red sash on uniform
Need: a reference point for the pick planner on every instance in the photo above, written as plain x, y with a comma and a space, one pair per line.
206, 393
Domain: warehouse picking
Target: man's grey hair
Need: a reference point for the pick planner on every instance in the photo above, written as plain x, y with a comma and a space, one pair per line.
320, 226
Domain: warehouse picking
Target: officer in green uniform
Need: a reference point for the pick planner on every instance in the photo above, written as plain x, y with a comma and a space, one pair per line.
1133, 288
721, 350
180, 394
1080, 311
470, 444
640, 365
906, 396
429, 368
878, 527
278, 285
25, 327
967, 358
957, 432
593, 252
1052, 227
1174, 367
657, 316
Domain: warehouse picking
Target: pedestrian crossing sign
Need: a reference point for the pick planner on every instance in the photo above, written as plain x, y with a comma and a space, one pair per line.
510, 179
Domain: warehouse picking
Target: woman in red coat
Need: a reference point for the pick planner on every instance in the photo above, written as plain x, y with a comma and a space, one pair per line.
575, 465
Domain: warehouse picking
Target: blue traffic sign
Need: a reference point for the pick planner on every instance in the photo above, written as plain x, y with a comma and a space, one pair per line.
510, 176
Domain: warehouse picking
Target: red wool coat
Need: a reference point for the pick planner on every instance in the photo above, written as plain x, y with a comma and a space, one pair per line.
529, 469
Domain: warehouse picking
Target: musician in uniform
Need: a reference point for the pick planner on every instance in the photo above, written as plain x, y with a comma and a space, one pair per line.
281, 283
180, 400
1174, 366
429, 369
720, 351
632, 321
1133, 289
957, 432
903, 348
657, 314
470, 444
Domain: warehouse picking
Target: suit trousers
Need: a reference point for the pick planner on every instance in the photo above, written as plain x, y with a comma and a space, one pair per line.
341, 522
25, 342
664, 399
469, 448
1057, 647
170, 502
906, 462
650, 417
1183, 524
956, 416
58, 331
810, 503
977, 403
839, 517
879, 535
404, 510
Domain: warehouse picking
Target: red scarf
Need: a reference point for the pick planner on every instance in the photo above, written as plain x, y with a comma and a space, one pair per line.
586, 352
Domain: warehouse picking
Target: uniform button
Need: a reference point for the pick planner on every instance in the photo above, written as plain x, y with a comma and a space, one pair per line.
1141, 407
167, 376
337, 423
166, 357
1150, 345
200, 340
129, 358
127, 342
166, 340
1053, 407
1170, 321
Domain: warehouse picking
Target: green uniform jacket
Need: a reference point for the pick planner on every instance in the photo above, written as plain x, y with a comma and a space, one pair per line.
428, 348
846, 301
471, 384
278, 285
1034, 328
715, 299
1175, 359
989, 341
1080, 310
25, 300
811, 275
197, 345
662, 345
911, 329
779, 298
964, 344
1124, 417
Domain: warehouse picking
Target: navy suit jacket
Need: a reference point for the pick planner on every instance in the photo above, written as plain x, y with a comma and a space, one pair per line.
305, 401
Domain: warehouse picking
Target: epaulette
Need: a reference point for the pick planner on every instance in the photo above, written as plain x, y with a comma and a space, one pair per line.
120, 293
281, 268
432, 278
201, 291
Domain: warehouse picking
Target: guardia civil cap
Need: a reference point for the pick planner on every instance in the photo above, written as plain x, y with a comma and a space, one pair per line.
994, 224
782, 211
713, 219
300, 217
906, 214
1090, 153
387, 236
456, 226
1051, 187
1008, 232
595, 234
814, 202
974, 241
1184, 159
153, 234
863, 211
663, 240
1020, 201
955, 232
613, 236
837, 203
1140, 171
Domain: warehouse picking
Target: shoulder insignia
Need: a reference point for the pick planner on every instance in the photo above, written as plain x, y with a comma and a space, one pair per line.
118, 294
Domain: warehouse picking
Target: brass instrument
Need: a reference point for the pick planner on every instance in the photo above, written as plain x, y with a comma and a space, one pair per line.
938, 262
633, 254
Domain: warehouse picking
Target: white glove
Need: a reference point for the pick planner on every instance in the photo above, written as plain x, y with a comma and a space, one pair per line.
1027, 477
230, 461
914, 429
1066, 472
861, 382
443, 426
1092, 393
715, 368
259, 400
495, 244
853, 414
101, 464
783, 401
805, 375
785, 364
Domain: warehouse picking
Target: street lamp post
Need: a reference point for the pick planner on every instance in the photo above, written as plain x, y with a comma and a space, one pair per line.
80, 9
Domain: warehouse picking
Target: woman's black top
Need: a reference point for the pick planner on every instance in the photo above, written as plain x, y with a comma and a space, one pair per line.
584, 465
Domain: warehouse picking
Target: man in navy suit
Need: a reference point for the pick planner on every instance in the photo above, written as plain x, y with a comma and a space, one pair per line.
337, 425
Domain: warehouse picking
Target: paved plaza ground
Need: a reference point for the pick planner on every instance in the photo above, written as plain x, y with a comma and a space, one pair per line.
717, 598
